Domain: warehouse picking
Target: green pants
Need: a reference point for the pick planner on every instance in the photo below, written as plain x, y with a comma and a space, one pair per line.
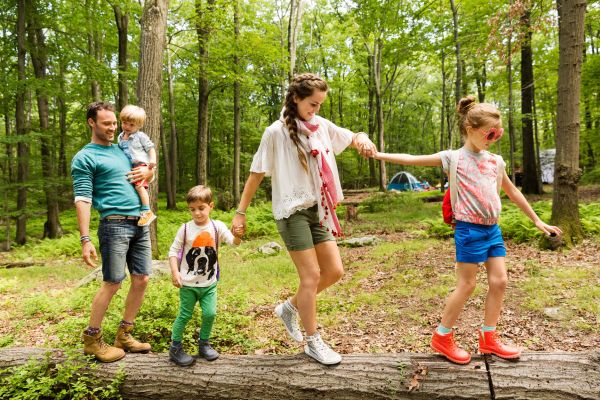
188, 296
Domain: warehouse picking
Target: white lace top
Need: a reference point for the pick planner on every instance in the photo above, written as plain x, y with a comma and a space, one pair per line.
292, 187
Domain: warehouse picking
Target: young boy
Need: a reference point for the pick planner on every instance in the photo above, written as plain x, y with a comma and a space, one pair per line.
140, 150
193, 259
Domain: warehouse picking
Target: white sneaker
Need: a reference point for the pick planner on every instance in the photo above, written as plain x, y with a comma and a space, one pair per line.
289, 316
320, 351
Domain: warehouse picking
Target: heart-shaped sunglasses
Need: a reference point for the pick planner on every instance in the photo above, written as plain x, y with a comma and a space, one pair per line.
493, 134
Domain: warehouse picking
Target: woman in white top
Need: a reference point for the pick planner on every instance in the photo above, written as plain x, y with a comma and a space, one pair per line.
297, 151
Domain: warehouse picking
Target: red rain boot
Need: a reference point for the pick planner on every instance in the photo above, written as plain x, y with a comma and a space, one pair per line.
444, 344
489, 343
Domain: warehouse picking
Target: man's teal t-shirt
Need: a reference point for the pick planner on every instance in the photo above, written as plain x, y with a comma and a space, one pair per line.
99, 173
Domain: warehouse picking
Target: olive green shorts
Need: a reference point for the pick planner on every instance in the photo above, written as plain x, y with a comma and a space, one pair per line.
302, 230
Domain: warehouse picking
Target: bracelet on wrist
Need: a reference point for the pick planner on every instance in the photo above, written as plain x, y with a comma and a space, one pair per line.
240, 212
84, 238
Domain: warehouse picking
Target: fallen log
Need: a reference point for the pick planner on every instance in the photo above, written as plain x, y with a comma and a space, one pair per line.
20, 264
359, 376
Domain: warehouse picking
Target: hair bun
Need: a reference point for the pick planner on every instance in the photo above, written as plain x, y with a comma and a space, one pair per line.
465, 104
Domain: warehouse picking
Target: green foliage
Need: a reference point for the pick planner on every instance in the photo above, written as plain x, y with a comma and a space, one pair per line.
385, 201
438, 228
519, 228
591, 177
70, 379
572, 290
516, 226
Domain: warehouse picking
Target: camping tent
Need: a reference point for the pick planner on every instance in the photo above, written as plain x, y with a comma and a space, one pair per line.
404, 181
547, 165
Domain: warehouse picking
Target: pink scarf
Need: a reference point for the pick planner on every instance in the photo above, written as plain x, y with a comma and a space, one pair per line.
324, 180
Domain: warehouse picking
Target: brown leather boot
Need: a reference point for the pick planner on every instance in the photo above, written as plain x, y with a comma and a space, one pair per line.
94, 345
125, 341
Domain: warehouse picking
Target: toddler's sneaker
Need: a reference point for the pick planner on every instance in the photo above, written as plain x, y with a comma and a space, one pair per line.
289, 316
489, 343
445, 345
146, 218
320, 351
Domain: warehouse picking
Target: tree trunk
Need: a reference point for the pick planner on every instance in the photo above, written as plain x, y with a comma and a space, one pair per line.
442, 116
149, 83
379, 109
536, 136
8, 158
63, 171
481, 81
21, 128
236, 106
511, 124
93, 49
122, 21
531, 183
203, 34
37, 49
565, 205
371, 122
293, 30
170, 157
457, 51
397, 376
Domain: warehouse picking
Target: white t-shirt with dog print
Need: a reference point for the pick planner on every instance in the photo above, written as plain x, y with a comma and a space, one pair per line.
199, 264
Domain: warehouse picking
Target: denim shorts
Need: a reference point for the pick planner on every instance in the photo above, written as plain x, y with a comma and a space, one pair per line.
475, 243
124, 242
302, 230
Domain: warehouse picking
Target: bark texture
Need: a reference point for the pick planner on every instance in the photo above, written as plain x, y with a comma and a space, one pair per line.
359, 376
565, 210
532, 183
149, 83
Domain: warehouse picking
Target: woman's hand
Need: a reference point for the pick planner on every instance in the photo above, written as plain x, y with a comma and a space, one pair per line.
238, 225
364, 145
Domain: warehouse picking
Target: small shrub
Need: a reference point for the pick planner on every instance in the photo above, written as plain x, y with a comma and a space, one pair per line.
591, 177
71, 379
382, 202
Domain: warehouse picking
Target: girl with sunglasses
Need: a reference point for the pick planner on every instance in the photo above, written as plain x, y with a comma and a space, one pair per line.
478, 238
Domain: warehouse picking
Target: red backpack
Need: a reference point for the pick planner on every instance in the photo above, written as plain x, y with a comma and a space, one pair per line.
447, 212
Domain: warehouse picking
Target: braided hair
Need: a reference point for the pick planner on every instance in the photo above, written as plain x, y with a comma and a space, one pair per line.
301, 87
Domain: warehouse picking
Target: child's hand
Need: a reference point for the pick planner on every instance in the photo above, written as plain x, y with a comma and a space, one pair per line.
238, 231
548, 229
364, 145
176, 279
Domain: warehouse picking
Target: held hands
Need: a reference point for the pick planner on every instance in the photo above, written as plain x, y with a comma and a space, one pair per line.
364, 145
238, 231
548, 229
238, 225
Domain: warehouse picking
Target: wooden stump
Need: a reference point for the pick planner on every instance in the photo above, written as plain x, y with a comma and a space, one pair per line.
351, 211
359, 376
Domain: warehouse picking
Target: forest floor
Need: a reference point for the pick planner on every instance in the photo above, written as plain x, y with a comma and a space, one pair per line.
389, 300
406, 323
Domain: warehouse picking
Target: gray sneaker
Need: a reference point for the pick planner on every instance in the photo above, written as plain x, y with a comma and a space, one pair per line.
320, 351
289, 316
